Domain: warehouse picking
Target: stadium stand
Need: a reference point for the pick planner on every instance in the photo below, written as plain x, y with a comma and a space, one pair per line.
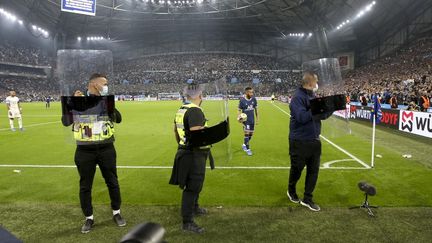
405, 74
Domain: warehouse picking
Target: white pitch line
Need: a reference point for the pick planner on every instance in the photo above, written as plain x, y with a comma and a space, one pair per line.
333, 144
170, 167
346, 152
327, 164
33, 125
59, 116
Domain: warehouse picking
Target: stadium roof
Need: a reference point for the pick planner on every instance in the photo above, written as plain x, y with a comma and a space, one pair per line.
126, 19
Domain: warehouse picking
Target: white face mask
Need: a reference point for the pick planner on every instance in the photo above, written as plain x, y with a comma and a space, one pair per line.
316, 88
104, 90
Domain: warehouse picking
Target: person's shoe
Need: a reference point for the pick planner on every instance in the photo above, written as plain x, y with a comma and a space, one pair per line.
13, 129
193, 228
88, 224
249, 152
293, 197
200, 211
22, 129
119, 220
311, 205
244, 147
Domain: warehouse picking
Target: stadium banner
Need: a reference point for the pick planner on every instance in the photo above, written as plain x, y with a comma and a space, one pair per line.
346, 60
214, 97
86, 7
390, 117
343, 113
169, 96
135, 98
386, 106
360, 112
419, 123
237, 97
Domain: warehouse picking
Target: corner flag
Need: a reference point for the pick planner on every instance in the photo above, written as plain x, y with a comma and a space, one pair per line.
376, 110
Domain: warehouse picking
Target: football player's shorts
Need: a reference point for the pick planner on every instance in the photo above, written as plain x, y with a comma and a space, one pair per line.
248, 127
14, 113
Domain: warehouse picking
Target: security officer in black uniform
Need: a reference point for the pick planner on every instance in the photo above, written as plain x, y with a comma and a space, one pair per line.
304, 141
94, 138
190, 162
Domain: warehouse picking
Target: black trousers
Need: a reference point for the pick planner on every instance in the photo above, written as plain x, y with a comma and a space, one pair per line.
194, 183
86, 159
304, 153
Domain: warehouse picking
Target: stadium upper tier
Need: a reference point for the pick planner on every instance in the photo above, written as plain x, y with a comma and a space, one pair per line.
406, 74
21, 54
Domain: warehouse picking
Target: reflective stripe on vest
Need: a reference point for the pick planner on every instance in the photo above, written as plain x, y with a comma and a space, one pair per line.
92, 131
179, 118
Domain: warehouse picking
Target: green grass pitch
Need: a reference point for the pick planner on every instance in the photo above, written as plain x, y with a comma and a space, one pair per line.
246, 195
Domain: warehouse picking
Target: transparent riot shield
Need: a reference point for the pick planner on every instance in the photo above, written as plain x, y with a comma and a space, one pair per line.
215, 107
87, 96
75, 67
330, 107
330, 104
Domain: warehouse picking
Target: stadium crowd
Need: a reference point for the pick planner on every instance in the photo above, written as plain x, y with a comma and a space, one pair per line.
169, 73
30, 83
404, 77
22, 71
187, 62
12, 53
28, 89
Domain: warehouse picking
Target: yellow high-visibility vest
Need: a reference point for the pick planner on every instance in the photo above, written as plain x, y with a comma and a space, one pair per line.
92, 130
179, 118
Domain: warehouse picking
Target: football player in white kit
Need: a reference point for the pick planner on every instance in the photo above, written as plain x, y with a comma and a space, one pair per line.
14, 110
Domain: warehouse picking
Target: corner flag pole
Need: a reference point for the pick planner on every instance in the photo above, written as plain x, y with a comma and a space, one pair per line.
376, 108
373, 142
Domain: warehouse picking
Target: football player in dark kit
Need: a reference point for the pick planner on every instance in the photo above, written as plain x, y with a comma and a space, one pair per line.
248, 105
190, 162
92, 118
304, 141
48, 102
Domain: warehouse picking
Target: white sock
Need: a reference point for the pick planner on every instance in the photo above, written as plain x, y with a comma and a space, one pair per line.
90, 217
116, 212
20, 122
11, 122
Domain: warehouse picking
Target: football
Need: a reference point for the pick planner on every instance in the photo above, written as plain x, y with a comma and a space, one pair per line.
242, 117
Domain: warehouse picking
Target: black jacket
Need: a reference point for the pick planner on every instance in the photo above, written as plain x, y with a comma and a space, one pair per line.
304, 125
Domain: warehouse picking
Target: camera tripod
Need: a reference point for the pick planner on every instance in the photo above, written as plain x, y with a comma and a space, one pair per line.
367, 206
